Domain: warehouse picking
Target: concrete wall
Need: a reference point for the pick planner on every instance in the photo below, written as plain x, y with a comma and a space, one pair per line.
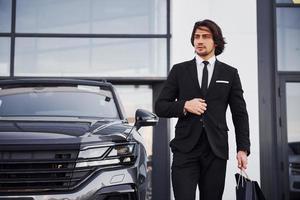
238, 22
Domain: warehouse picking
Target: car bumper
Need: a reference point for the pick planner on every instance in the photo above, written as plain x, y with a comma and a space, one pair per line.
122, 182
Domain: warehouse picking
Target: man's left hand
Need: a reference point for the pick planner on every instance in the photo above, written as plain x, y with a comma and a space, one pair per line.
242, 160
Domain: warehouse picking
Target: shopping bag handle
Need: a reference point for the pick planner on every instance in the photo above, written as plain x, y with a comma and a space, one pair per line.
243, 178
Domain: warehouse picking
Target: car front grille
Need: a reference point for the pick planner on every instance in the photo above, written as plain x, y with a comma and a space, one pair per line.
40, 170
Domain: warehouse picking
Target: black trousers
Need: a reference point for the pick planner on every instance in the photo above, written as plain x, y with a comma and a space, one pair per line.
198, 167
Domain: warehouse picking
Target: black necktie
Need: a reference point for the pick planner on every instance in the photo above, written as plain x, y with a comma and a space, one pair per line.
204, 78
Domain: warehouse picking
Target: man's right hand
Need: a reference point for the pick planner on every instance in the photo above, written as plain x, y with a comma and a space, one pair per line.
196, 106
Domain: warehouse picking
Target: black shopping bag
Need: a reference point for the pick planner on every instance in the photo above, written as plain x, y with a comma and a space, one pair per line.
258, 193
247, 189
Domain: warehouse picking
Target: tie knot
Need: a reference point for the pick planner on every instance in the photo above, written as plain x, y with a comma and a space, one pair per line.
205, 63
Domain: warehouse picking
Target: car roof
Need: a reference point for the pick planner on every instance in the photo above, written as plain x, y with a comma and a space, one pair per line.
23, 82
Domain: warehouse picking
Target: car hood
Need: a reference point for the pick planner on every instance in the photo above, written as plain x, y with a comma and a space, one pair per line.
61, 132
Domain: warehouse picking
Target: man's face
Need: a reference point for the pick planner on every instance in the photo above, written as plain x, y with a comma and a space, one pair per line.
203, 43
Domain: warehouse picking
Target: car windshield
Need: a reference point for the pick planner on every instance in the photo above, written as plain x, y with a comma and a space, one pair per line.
77, 101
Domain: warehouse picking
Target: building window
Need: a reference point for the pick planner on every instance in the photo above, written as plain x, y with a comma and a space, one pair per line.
5, 16
288, 40
92, 16
4, 56
90, 57
88, 38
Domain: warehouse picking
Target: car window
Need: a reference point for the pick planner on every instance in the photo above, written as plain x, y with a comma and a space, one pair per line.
58, 101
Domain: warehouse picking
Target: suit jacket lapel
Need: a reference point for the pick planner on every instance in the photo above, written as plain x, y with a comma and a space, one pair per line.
194, 74
214, 76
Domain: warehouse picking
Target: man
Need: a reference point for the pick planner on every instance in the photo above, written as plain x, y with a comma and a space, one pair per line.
198, 92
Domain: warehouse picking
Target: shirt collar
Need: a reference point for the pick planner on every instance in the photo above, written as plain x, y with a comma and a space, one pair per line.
211, 61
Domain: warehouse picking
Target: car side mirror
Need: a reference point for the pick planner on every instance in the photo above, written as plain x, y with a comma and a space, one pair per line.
144, 118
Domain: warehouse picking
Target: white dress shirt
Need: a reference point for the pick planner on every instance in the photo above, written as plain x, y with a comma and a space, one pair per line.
200, 66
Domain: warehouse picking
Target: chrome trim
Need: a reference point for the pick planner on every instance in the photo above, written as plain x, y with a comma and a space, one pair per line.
106, 145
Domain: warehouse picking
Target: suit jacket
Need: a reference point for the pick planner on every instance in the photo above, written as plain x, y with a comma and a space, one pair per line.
224, 89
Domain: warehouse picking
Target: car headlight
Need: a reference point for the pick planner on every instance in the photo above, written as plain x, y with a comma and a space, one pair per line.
122, 154
121, 150
92, 153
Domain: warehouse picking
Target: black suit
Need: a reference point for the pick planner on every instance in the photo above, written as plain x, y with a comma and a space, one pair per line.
224, 89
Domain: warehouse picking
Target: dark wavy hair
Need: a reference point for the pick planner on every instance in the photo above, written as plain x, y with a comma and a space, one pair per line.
216, 31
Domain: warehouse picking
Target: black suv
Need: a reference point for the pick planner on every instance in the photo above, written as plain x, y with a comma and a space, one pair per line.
67, 139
